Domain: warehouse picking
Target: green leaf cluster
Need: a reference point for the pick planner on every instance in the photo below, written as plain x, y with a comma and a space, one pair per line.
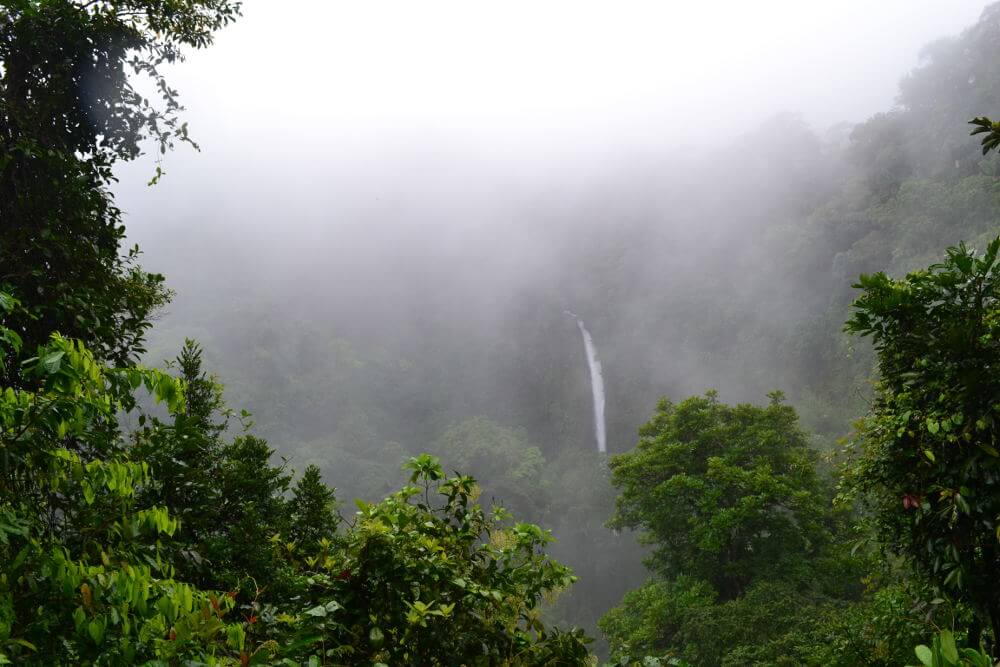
81, 579
925, 461
745, 542
729, 495
943, 652
92, 552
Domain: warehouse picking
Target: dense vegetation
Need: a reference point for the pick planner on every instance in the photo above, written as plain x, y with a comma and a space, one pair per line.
133, 536
729, 269
143, 521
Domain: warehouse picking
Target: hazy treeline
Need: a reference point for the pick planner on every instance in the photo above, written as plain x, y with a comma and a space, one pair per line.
390, 330
360, 343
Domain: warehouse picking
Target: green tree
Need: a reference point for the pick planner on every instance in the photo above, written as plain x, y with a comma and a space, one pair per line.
185, 456
68, 112
80, 581
428, 577
724, 494
925, 462
744, 539
882, 629
228, 496
245, 551
650, 618
313, 508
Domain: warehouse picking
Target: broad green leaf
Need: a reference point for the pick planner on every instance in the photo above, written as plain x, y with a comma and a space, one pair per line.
96, 630
51, 362
948, 648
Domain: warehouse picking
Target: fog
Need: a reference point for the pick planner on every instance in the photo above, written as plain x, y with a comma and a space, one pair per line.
395, 203
523, 78
307, 91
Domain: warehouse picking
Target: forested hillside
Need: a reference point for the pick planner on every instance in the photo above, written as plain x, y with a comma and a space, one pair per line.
730, 271
353, 423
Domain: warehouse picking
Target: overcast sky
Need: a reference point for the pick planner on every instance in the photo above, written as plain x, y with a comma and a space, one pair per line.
307, 102
516, 69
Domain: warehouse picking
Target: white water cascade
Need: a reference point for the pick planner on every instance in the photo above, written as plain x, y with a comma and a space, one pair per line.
596, 384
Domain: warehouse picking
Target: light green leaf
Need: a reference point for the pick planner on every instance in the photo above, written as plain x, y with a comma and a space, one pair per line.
96, 630
948, 648
50, 363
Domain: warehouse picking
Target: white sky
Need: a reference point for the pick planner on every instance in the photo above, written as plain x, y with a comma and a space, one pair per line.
521, 70
313, 113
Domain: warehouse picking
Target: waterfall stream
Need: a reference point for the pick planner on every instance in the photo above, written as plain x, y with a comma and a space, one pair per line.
596, 384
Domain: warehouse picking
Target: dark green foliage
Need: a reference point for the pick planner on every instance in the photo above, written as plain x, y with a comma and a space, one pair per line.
881, 630
313, 509
60, 253
744, 537
185, 458
205, 415
650, 619
238, 527
429, 577
243, 551
926, 461
68, 112
725, 494
228, 496
81, 578
413, 581
772, 624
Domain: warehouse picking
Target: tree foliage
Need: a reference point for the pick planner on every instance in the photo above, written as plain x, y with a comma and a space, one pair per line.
68, 112
509, 464
745, 544
313, 509
81, 580
129, 536
725, 494
429, 577
87, 572
926, 462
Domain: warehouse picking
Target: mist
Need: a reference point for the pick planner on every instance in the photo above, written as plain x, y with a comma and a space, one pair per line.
394, 204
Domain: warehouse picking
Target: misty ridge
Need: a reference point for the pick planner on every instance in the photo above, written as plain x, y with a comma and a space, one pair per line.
693, 271
361, 310
708, 296
364, 307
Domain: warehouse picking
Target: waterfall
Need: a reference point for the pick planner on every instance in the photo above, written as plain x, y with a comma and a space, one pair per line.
596, 384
